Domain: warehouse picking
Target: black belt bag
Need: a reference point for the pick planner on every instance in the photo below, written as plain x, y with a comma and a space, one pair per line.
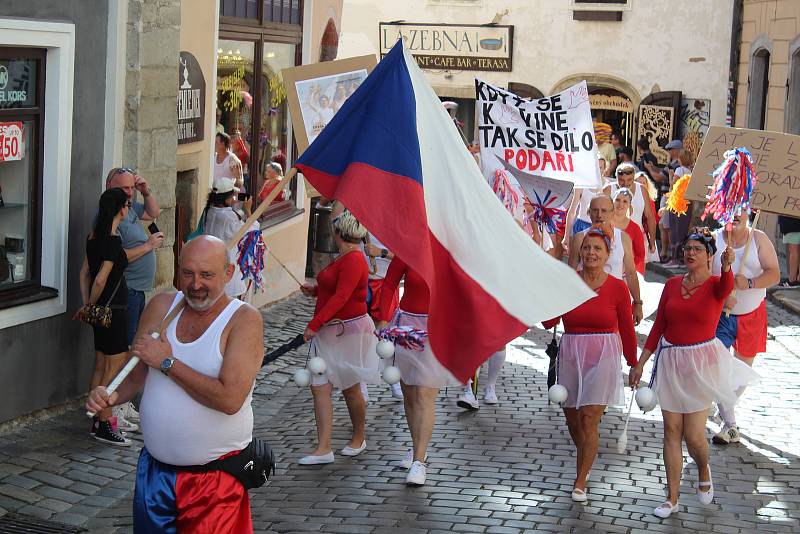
252, 466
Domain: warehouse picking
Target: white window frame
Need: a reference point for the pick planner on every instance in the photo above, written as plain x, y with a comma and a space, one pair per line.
59, 40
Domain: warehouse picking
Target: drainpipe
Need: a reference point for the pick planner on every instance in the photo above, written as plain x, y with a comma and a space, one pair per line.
733, 68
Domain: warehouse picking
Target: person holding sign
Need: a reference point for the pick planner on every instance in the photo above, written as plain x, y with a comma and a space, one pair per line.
692, 367
596, 334
743, 323
620, 262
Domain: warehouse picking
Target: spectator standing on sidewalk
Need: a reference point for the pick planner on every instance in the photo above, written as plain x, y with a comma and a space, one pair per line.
140, 273
745, 329
196, 405
679, 224
790, 228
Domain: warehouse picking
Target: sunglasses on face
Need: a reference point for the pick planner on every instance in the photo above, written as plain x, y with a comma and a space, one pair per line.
625, 172
123, 170
128, 204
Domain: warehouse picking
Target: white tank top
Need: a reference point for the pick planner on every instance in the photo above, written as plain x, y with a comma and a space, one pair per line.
637, 203
223, 170
177, 429
615, 266
747, 300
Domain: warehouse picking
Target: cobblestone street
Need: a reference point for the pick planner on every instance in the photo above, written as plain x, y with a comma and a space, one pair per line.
503, 469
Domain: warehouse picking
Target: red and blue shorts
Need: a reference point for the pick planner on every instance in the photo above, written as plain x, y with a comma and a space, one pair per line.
167, 501
746, 333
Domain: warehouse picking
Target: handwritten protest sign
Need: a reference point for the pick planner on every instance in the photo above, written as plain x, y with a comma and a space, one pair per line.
776, 157
551, 137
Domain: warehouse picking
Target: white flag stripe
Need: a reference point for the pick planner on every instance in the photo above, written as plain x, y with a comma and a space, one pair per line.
466, 217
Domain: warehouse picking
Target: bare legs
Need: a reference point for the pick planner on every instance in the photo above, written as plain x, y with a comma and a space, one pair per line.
420, 407
690, 428
323, 411
583, 424
793, 262
106, 368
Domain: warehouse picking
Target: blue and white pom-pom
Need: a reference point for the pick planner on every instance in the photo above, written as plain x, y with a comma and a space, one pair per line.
251, 258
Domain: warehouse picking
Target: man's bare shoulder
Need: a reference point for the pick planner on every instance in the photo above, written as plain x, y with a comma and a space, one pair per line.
163, 299
247, 316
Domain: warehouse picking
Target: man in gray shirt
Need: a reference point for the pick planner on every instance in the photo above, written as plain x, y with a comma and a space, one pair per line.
141, 271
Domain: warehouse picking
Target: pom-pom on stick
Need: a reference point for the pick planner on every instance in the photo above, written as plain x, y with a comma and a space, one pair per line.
251, 258
733, 184
405, 336
676, 202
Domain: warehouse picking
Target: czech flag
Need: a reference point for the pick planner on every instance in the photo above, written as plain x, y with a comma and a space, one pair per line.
392, 156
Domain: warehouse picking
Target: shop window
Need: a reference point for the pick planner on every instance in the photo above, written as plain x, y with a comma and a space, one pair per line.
245, 9
283, 11
21, 118
252, 109
759, 84
793, 96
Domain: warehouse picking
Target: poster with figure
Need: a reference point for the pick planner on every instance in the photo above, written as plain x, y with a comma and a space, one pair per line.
317, 91
655, 125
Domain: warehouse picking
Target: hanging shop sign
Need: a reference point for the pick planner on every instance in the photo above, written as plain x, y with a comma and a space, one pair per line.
452, 46
191, 100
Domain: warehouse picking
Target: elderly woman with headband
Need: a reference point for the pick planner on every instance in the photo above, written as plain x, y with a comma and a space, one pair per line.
342, 334
597, 333
642, 208
692, 367
623, 209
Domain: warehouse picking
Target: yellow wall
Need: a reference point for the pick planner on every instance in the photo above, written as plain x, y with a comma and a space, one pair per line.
776, 22
199, 37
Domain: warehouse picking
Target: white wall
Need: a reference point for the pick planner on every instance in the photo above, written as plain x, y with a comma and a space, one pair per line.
549, 46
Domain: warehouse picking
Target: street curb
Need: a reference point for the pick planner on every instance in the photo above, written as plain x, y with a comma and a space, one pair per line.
775, 295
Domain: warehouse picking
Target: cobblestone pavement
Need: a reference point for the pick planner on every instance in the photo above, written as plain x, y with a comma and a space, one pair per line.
506, 468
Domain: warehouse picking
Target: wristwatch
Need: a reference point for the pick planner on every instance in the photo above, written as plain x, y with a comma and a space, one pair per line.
166, 365
384, 253
750, 283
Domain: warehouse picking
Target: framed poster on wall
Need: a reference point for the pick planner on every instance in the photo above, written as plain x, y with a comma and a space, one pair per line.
316, 92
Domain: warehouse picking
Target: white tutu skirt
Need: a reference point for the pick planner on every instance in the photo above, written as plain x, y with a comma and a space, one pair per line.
348, 349
687, 378
419, 367
589, 367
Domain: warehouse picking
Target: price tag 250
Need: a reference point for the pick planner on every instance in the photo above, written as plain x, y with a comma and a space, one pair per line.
11, 145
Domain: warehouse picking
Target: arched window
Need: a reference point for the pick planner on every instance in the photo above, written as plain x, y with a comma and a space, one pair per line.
793, 94
759, 83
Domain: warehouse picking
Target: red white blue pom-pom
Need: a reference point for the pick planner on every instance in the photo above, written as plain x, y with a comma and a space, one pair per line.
251, 258
733, 185
405, 336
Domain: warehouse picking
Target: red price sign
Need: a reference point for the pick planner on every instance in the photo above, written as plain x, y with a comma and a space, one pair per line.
11, 146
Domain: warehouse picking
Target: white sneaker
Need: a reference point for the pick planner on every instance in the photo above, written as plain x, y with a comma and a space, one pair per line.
729, 434
130, 413
468, 401
490, 395
316, 460
350, 451
397, 391
406, 462
122, 423
416, 474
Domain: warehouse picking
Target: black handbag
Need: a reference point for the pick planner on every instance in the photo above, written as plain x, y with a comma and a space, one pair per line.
252, 466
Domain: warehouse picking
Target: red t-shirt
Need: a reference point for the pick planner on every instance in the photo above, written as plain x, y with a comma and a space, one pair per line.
416, 296
637, 242
694, 320
341, 290
609, 311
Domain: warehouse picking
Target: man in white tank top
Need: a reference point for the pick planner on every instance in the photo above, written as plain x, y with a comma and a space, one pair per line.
642, 209
198, 381
620, 262
745, 330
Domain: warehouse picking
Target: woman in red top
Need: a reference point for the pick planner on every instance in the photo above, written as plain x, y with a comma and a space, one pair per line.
341, 333
422, 374
692, 366
623, 208
596, 333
